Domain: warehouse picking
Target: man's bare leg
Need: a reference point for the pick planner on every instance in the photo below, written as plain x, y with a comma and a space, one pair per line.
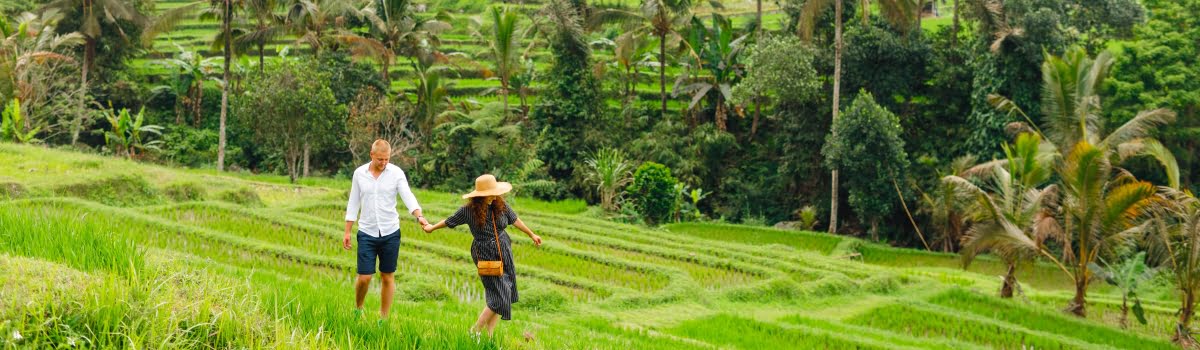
360, 290
389, 289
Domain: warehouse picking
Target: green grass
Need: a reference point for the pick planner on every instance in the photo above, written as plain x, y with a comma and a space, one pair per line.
182, 264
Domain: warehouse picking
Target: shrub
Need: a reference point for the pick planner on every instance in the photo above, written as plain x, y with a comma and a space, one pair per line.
422, 289
653, 192
120, 190
12, 190
542, 299
185, 191
243, 196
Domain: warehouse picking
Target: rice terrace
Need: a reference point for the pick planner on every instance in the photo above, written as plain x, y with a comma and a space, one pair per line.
607, 174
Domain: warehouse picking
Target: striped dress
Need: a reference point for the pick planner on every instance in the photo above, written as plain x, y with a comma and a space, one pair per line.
501, 290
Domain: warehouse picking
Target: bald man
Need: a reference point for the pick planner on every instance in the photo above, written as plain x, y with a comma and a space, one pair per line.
372, 204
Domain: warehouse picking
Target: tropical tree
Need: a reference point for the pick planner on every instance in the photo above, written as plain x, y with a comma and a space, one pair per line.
1174, 244
779, 70
38, 71
504, 46
98, 17
631, 50
318, 23
946, 209
267, 26
609, 171
1089, 172
191, 70
867, 143
290, 111
1011, 214
717, 53
433, 97
395, 31
662, 19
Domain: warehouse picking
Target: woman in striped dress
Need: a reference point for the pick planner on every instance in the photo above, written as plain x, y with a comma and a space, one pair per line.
487, 216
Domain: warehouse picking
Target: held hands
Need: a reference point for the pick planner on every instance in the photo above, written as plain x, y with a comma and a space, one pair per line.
428, 228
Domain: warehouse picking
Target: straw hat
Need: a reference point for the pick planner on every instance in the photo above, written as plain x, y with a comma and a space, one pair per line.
486, 185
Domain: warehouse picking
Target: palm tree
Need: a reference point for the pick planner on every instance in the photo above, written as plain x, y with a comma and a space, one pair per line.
716, 51
946, 209
191, 69
1089, 173
504, 44
1012, 216
631, 50
98, 16
318, 22
660, 18
394, 31
432, 97
268, 25
1174, 243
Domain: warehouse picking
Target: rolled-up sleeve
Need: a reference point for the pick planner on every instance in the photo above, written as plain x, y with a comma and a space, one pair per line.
354, 203
406, 195
460, 217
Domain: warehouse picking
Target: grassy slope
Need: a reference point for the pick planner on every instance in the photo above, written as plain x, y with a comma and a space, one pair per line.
271, 275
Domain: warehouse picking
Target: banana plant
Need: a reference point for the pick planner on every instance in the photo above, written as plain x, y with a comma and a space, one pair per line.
12, 126
128, 133
1127, 276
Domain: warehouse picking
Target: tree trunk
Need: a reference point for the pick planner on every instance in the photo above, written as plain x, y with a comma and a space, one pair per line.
758, 45
837, 86
866, 13
1078, 304
504, 96
1124, 311
261, 53
1010, 282
662, 72
387, 67
89, 55
954, 27
224, 86
307, 148
1183, 329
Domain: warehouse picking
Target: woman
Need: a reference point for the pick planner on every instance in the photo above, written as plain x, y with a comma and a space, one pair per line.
485, 213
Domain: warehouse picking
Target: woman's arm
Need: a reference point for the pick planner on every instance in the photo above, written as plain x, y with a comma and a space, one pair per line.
434, 227
537, 240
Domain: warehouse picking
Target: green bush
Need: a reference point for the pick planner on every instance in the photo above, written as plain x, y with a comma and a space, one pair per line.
12, 190
120, 190
653, 192
185, 191
542, 299
243, 196
423, 289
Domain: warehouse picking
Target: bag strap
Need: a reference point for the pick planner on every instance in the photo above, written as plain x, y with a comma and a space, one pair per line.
497, 232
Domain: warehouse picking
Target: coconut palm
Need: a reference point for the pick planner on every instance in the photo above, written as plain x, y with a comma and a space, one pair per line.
504, 47
394, 31
663, 19
1174, 244
1072, 120
191, 69
946, 210
609, 172
318, 23
267, 25
1012, 215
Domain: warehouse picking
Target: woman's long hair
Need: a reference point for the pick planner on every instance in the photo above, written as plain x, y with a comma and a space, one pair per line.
479, 207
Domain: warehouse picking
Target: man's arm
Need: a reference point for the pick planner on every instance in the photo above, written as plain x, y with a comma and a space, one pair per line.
352, 208
410, 200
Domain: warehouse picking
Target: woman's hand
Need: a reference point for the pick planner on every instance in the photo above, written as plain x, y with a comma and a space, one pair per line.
537, 240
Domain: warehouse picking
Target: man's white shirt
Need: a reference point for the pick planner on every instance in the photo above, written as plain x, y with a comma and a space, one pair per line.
373, 200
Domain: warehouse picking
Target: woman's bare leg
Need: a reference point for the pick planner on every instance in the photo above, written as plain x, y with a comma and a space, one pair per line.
491, 326
484, 317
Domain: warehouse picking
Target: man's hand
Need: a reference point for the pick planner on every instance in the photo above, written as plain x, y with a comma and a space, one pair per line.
346, 242
423, 221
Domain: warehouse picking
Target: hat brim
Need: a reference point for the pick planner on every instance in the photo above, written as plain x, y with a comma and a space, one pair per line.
501, 188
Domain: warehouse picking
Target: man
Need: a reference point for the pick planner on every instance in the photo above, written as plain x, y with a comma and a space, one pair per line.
373, 190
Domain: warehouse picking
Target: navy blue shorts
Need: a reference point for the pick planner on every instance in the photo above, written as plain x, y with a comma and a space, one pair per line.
386, 249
